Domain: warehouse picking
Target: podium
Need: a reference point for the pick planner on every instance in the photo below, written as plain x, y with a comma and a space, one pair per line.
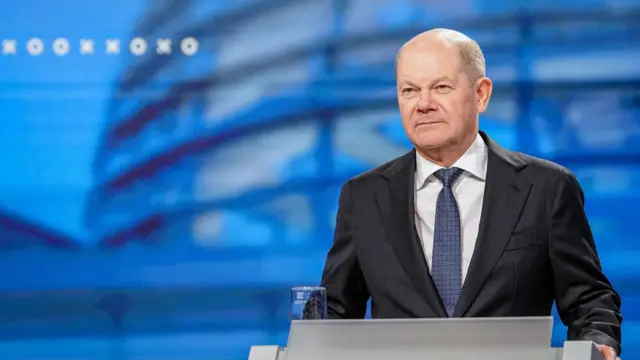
526, 338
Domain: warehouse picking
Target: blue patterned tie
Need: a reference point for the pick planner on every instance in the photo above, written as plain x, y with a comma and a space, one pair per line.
447, 254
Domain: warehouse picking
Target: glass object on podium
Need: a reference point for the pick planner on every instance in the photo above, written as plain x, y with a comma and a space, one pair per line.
308, 303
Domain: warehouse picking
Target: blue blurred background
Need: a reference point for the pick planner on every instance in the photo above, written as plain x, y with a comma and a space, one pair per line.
161, 205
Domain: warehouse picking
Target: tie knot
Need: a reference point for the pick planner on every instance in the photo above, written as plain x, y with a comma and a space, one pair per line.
448, 176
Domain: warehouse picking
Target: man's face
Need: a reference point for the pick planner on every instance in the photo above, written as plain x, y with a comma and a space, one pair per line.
437, 97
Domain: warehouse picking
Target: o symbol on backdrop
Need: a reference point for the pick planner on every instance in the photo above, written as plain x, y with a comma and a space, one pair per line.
189, 46
61, 46
35, 46
138, 46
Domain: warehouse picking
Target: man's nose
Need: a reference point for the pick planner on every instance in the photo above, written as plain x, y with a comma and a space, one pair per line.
425, 102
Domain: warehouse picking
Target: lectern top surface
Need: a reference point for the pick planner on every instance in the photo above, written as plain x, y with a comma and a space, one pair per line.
308, 337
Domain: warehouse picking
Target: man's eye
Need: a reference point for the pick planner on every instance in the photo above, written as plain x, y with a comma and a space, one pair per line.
407, 91
443, 88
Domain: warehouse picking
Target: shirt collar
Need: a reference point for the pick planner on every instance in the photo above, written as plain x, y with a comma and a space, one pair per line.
473, 161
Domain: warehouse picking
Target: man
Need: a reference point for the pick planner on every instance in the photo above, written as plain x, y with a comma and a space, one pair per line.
460, 226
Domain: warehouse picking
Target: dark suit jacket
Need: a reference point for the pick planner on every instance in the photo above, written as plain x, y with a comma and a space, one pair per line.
534, 246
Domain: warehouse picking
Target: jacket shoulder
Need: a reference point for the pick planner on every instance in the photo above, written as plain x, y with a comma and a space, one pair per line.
373, 176
543, 169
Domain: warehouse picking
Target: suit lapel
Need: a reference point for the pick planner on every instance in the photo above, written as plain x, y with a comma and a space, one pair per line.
395, 202
504, 198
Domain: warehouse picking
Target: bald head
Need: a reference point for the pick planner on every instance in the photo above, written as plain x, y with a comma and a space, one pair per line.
469, 51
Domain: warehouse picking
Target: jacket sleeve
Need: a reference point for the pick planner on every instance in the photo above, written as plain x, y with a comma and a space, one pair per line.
342, 277
587, 303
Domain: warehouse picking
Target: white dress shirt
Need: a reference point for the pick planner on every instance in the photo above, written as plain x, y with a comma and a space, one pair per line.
468, 191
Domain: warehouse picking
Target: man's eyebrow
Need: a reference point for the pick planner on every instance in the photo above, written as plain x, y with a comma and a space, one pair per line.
434, 81
408, 82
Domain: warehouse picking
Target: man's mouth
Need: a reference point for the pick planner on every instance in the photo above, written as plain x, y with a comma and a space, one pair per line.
428, 123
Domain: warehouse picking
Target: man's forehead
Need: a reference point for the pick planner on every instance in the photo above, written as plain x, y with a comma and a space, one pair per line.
428, 60
422, 49
425, 67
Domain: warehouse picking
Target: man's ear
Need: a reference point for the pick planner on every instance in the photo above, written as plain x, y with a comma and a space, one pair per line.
484, 88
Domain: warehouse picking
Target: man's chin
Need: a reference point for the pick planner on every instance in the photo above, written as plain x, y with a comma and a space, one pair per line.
431, 143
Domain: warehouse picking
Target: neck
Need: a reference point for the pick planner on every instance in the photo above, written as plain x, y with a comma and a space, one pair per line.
447, 155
